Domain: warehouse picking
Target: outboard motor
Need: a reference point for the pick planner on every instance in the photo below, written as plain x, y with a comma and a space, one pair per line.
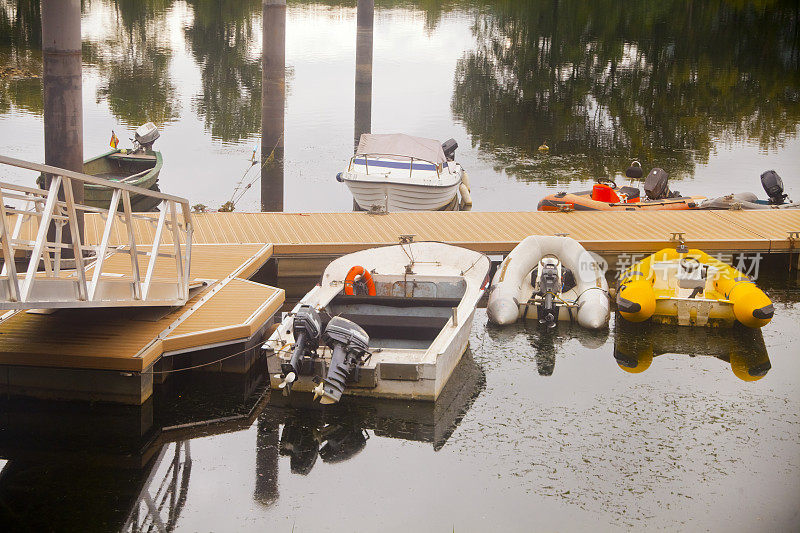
548, 284
146, 135
656, 185
773, 185
350, 343
307, 329
449, 149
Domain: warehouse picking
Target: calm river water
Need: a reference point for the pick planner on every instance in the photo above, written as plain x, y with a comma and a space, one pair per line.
643, 429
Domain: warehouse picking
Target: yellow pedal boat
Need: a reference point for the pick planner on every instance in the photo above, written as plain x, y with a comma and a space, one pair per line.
691, 289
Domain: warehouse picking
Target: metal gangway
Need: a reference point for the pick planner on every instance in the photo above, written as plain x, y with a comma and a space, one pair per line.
47, 263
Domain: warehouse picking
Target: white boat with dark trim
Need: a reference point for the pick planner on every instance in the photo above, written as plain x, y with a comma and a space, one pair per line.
398, 172
388, 322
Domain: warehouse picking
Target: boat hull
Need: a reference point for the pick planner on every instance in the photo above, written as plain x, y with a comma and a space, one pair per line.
394, 197
584, 202
118, 166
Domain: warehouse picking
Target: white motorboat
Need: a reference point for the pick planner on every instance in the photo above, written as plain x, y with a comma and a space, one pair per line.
550, 278
388, 322
397, 172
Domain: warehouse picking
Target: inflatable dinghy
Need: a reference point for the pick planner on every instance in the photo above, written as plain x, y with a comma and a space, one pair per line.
549, 279
691, 288
773, 185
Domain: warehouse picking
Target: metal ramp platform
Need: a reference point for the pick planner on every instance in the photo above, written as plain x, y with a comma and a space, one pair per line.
158, 271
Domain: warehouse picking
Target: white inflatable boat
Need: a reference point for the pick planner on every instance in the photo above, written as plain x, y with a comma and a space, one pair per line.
550, 279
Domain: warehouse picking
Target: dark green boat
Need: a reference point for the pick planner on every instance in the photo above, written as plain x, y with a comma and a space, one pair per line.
139, 167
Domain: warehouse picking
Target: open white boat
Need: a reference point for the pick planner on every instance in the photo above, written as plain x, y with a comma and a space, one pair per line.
397, 172
388, 322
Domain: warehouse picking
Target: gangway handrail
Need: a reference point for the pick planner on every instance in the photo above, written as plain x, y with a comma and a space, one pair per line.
86, 285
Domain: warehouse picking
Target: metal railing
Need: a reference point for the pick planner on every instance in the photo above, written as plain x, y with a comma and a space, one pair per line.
44, 282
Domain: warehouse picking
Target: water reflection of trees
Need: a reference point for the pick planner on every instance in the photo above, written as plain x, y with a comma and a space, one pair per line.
606, 81
222, 38
133, 60
20, 56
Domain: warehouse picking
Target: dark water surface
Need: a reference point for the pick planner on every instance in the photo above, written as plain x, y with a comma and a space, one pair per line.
646, 428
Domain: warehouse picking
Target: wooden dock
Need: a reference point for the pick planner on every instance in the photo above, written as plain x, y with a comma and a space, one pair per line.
331, 234
224, 309
37, 351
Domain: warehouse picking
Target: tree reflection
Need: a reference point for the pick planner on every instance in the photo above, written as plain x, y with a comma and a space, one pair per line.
223, 38
21, 56
606, 81
134, 62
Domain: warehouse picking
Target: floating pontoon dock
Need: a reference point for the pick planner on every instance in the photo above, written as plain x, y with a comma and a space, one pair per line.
95, 320
304, 243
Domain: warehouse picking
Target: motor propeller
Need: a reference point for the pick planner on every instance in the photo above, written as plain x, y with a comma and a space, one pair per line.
307, 330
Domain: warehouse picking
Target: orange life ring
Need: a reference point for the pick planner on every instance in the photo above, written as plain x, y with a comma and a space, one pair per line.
351, 278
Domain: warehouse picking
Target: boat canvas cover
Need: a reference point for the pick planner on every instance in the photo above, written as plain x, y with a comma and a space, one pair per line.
401, 145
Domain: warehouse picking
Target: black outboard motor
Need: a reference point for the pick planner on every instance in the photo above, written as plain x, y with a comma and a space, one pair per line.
773, 185
549, 286
449, 149
350, 344
656, 185
307, 329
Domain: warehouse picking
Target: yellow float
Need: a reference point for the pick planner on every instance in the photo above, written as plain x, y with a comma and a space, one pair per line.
691, 289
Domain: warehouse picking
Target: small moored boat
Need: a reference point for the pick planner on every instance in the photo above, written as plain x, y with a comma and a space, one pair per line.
389, 322
690, 288
397, 172
607, 196
139, 167
773, 185
549, 278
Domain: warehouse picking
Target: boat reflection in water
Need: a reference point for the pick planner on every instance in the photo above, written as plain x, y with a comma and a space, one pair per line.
546, 343
636, 345
338, 432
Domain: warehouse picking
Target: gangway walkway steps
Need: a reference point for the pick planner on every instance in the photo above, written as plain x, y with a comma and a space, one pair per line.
54, 216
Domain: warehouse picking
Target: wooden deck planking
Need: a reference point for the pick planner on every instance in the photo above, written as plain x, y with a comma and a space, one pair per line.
127, 339
337, 233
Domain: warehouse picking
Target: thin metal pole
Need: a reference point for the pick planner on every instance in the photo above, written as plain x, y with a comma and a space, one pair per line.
273, 102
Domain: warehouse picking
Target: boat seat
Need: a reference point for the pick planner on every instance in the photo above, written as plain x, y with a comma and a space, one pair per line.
604, 193
631, 192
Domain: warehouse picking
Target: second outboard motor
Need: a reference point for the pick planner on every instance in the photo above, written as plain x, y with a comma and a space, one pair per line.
350, 343
549, 284
449, 149
773, 185
656, 185
307, 329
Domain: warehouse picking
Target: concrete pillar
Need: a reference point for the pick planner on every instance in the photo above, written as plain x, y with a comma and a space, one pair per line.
363, 106
63, 113
273, 102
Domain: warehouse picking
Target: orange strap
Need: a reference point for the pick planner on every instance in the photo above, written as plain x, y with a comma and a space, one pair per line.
351, 277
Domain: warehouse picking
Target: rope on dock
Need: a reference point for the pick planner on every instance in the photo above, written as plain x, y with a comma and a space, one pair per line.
210, 362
